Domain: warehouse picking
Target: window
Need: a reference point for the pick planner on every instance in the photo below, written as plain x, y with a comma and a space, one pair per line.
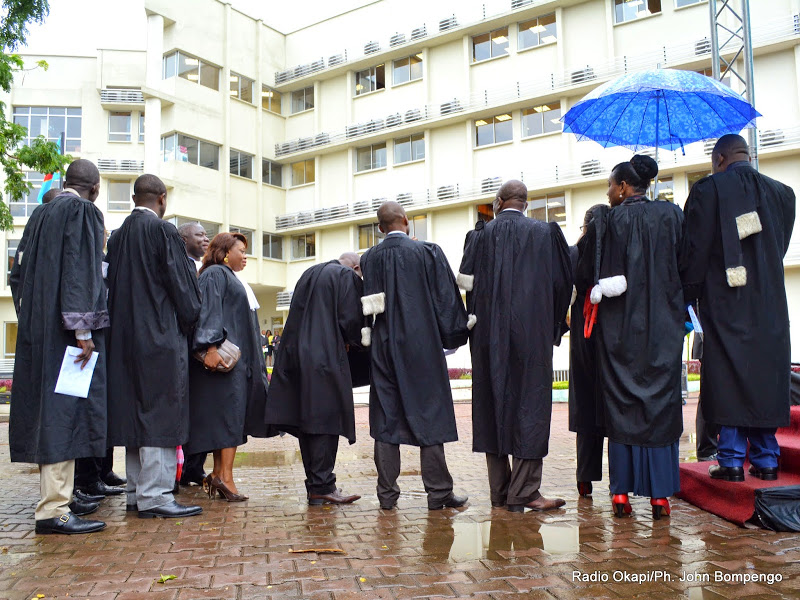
141, 128
270, 100
369, 236
303, 172
183, 148
241, 164
303, 100
493, 131
538, 31
27, 204
666, 189
407, 69
302, 246
541, 119
11, 252
271, 173
241, 87
692, 178
410, 148
371, 157
248, 233
119, 196
272, 246
682, 3
11, 340
485, 212
370, 80
630, 10
709, 72
551, 209
418, 227
51, 122
490, 45
192, 69
212, 229
119, 127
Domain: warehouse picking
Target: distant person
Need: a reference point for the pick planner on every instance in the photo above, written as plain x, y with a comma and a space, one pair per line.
154, 301
737, 231
269, 338
61, 302
518, 278
50, 195
412, 297
311, 391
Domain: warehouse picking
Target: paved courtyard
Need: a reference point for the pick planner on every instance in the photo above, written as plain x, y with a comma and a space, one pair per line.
244, 551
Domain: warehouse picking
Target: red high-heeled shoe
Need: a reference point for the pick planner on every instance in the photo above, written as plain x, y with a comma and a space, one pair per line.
621, 504
585, 489
660, 506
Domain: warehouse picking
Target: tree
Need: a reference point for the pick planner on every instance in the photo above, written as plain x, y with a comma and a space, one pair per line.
40, 155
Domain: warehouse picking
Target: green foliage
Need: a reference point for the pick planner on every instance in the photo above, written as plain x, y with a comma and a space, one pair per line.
41, 155
561, 385
693, 377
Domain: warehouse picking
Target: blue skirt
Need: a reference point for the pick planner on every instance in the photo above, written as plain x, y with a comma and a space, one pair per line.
651, 472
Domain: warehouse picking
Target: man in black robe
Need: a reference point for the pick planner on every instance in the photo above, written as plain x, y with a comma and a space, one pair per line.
61, 302
154, 302
737, 230
196, 240
311, 391
518, 278
412, 299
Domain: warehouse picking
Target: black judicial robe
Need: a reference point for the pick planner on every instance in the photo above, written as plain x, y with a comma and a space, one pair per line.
226, 407
59, 289
640, 332
410, 400
154, 302
745, 371
521, 288
15, 275
311, 389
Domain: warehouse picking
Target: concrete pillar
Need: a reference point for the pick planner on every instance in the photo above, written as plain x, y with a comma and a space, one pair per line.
152, 106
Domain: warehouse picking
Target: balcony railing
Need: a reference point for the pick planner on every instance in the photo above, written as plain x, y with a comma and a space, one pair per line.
283, 300
120, 166
543, 178
577, 76
121, 96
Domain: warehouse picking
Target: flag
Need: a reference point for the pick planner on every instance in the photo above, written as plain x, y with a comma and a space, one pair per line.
50, 178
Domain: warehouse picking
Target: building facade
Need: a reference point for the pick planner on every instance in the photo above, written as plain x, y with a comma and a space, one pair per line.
295, 138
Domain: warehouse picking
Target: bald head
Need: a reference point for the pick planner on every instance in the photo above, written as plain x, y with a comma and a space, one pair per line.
149, 191
512, 194
729, 149
392, 217
352, 261
83, 177
195, 238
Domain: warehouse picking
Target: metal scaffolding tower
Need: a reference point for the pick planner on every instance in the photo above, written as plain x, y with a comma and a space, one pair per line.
730, 33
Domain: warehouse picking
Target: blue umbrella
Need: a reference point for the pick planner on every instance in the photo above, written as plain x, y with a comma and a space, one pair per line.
659, 108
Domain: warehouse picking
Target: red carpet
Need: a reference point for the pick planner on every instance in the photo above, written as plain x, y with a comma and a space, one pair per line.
736, 501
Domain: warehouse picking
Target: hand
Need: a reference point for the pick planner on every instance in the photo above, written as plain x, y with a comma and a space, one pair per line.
347, 347
567, 319
87, 347
213, 359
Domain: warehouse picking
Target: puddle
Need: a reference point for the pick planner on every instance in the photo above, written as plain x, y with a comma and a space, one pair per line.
272, 458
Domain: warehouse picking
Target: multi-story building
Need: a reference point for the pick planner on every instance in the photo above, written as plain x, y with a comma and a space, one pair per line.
295, 138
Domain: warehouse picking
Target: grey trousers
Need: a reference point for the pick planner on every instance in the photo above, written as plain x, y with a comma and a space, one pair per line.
514, 484
56, 483
433, 466
151, 476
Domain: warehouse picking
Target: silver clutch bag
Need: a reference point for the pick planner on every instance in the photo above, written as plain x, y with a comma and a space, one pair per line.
228, 352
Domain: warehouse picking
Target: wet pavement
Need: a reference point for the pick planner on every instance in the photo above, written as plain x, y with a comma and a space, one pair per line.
243, 551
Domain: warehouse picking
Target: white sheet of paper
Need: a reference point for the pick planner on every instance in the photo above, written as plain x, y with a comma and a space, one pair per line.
695, 321
72, 380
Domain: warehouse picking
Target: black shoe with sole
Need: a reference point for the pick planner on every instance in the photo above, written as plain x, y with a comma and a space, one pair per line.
84, 497
98, 488
197, 479
452, 502
80, 509
173, 510
726, 473
765, 473
113, 479
131, 508
68, 524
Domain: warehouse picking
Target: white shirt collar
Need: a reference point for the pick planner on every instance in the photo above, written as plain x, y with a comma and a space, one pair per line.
143, 208
396, 232
508, 209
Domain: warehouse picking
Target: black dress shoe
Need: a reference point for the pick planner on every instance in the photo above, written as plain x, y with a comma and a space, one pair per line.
68, 524
452, 502
765, 473
113, 479
98, 488
80, 509
726, 473
173, 510
334, 497
709, 458
131, 508
84, 497
388, 506
194, 478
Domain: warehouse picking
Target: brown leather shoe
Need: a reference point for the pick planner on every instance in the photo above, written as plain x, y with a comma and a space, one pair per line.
335, 497
545, 503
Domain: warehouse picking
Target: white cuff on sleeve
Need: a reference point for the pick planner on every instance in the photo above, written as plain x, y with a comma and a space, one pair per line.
83, 334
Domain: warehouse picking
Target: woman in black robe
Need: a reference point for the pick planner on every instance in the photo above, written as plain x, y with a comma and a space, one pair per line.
226, 407
640, 336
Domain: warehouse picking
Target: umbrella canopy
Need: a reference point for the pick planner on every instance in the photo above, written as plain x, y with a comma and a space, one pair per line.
660, 108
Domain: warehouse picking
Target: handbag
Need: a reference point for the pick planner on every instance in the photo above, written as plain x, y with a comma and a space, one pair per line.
228, 352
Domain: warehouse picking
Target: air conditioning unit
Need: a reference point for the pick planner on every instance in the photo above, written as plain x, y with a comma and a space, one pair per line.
413, 115
419, 33
372, 48
362, 207
520, 3
321, 139
337, 59
394, 120
491, 185
376, 203
590, 167
448, 23
318, 65
446, 192
353, 130
450, 107
708, 146
702, 46
582, 75
397, 39
770, 137
405, 199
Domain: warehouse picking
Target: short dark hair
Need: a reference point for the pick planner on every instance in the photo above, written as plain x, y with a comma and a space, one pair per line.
82, 175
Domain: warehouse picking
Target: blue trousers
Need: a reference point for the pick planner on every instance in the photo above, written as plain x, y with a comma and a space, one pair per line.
651, 472
764, 449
